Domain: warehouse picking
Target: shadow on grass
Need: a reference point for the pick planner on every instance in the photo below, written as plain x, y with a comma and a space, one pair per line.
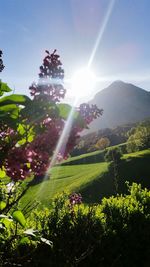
131, 170
134, 170
38, 179
85, 160
94, 191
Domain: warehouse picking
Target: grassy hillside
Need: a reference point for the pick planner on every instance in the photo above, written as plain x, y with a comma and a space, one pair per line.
65, 178
89, 158
134, 167
93, 180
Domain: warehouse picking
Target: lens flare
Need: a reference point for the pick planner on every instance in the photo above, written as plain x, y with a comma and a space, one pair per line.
101, 31
83, 81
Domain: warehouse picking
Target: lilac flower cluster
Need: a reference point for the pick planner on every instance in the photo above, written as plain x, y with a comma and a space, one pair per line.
1, 61
75, 198
89, 113
50, 86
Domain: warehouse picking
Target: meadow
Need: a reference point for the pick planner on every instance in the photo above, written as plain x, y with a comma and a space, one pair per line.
93, 179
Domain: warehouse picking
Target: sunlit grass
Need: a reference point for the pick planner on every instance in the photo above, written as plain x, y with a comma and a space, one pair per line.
143, 153
65, 178
93, 180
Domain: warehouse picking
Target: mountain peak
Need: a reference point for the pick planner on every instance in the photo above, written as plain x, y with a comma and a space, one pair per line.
122, 85
122, 88
122, 103
117, 82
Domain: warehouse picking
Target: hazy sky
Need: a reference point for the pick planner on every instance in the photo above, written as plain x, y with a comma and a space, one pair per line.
28, 27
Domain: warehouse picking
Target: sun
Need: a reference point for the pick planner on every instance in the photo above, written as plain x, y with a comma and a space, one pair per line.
83, 82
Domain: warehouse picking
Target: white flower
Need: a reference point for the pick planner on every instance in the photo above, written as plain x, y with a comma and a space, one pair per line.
10, 186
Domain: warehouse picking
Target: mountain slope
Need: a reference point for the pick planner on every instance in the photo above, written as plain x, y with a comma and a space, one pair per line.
122, 103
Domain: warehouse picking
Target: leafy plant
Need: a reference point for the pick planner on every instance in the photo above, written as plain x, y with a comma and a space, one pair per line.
102, 143
70, 233
30, 128
113, 154
139, 138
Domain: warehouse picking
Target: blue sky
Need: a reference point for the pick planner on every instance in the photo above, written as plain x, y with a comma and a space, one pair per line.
29, 27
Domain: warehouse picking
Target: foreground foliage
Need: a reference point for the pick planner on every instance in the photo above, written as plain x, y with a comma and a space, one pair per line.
30, 128
34, 135
114, 233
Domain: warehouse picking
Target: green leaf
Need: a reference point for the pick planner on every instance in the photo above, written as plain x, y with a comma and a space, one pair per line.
24, 241
31, 137
10, 111
2, 173
8, 108
22, 142
26, 133
4, 88
2, 205
64, 110
21, 129
28, 165
37, 110
19, 217
15, 99
6, 222
11, 122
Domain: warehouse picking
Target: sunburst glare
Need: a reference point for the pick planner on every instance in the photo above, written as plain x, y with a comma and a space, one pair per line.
82, 83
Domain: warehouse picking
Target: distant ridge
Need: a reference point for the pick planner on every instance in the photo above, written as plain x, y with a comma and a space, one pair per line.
123, 103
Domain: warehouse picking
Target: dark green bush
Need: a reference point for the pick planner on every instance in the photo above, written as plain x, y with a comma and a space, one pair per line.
113, 154
114, 233
139, 138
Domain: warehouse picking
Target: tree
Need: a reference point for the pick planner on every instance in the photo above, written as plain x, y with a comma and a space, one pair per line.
113, 155
102, 143
139, 138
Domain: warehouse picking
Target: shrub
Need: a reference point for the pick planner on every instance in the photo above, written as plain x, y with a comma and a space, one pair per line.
113, 154
139, 138
102, 143
113, 233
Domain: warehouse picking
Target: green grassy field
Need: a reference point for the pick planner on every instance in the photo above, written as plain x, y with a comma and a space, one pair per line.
65, 178
92, 180
92, 157
135, 167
